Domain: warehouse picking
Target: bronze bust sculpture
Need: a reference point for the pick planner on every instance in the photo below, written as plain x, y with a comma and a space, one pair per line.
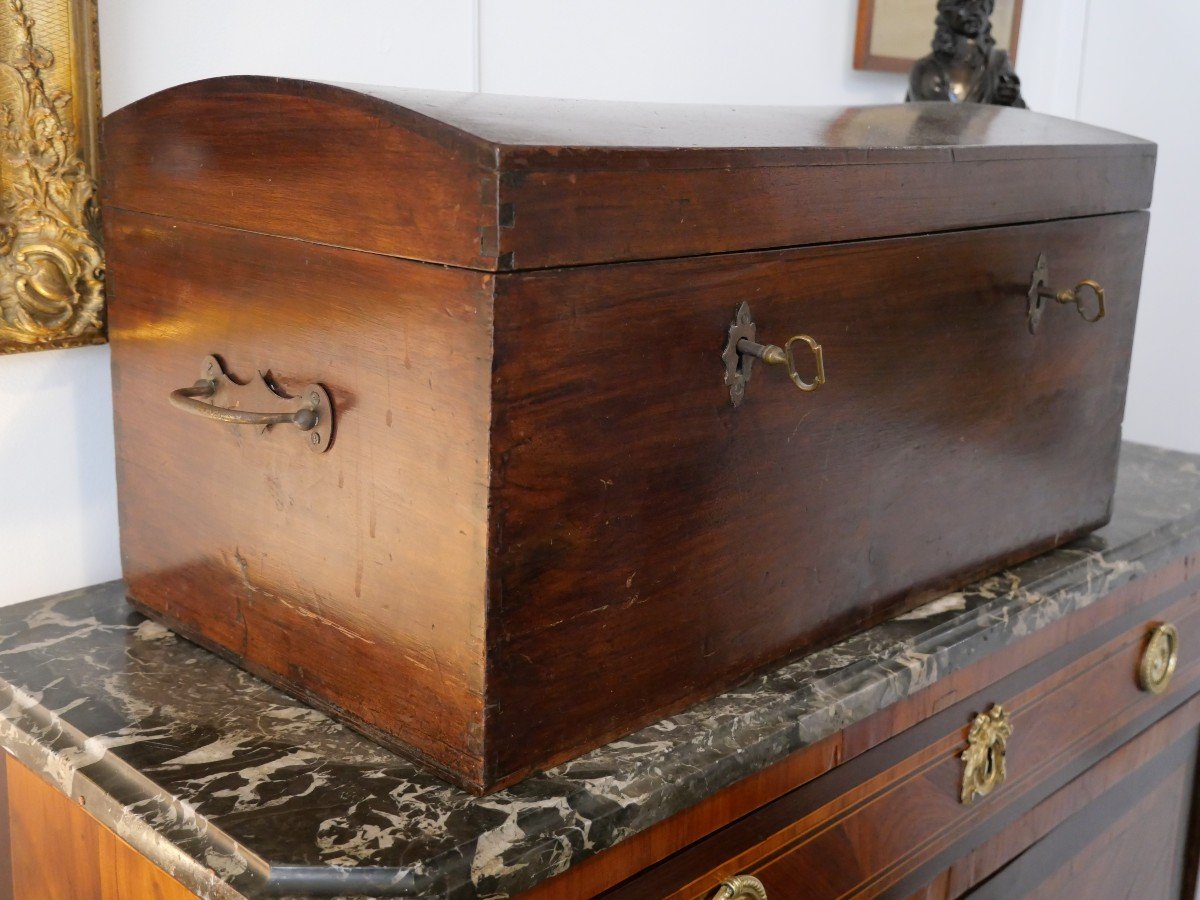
965, 66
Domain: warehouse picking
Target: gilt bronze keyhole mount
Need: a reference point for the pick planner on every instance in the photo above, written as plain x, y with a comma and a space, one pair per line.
983, 761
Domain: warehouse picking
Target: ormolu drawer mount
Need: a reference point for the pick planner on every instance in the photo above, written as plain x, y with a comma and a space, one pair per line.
218, 397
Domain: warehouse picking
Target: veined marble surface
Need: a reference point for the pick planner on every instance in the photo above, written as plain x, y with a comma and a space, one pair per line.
239, 790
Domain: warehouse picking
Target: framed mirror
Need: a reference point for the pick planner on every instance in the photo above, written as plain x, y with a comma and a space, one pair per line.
893, 34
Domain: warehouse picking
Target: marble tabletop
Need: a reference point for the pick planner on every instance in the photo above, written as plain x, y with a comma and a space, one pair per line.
238, 790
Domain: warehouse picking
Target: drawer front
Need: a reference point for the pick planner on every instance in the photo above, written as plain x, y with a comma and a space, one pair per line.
879, 825
643, 525
1123, 829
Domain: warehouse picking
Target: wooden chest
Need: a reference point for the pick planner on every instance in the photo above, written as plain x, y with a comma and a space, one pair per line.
584, 411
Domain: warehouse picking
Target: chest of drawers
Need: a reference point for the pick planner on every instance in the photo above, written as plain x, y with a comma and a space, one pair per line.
1072, 775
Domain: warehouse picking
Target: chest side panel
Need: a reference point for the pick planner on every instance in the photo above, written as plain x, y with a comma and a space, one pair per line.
649, 534
353, 577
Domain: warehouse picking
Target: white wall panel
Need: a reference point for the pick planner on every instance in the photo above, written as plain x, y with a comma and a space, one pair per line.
1050, 54
1140, 75
58, 520
698, 51
148, 45
712, 51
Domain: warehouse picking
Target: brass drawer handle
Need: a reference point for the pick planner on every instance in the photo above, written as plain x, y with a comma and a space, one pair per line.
1159, 659
741, 349
983, 760
740, 887
311, 411
1040, 292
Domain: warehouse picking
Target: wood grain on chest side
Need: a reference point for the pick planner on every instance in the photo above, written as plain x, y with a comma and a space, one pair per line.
355, 577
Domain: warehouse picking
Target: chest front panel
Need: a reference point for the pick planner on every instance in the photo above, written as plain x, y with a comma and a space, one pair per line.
649, 532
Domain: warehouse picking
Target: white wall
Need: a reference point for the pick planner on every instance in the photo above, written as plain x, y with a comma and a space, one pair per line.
1141, 74
757, 51
58, 528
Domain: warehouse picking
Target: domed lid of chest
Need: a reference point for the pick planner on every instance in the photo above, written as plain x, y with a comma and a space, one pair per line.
503, 183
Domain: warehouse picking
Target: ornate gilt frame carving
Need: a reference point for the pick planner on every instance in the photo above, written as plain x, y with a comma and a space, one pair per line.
51, 262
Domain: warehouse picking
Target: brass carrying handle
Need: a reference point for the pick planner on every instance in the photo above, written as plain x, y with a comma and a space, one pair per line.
304, 418
1072, 295
774, 355
218, 397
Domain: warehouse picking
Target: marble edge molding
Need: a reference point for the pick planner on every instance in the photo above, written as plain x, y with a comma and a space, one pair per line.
51, 747
210, 862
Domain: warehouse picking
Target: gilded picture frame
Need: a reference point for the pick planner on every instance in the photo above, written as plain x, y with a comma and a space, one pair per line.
893, 34
51, 260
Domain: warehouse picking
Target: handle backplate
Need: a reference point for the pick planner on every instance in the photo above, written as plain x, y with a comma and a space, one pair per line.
258, 403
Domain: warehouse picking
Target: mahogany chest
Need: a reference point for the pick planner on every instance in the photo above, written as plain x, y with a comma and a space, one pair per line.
499, 427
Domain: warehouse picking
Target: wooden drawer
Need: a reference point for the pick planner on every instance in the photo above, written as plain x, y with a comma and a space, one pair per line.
51, 848
1122, 829
888, 821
